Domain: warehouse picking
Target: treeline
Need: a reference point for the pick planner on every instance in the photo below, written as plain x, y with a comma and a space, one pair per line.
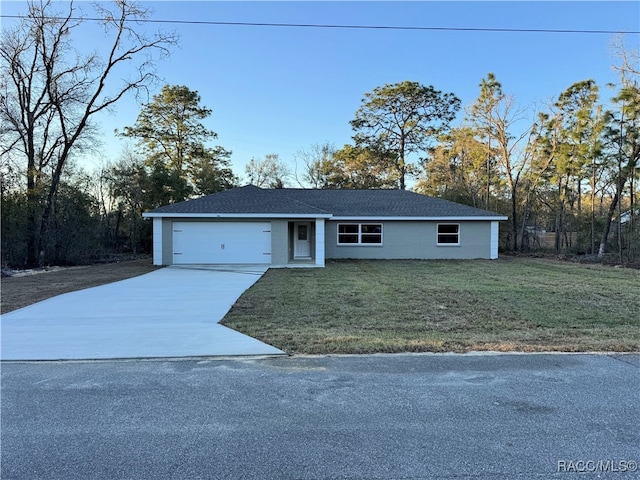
566, 183
566, 175
571, 173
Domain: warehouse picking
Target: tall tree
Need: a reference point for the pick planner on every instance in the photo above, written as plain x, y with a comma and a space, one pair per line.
361, 168
624, 134
455, 169
402, 119
573, 131
493, 115
172, 139
482, 117
51, 91
623, 138
541, 148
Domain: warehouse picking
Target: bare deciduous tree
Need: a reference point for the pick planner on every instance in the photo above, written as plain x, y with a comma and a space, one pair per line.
50, 92
270, 172
315, 160
628, 59
493, 115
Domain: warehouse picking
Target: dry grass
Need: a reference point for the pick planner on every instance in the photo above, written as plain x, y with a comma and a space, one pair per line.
417, 306
18, 292
511, 304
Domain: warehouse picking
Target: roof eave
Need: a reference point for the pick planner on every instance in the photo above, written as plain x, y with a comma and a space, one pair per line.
425, 218
234, 215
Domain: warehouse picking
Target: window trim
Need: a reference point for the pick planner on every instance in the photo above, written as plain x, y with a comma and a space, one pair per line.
447, 244
360, 243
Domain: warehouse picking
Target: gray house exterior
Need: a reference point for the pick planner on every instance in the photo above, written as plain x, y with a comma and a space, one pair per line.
295, 227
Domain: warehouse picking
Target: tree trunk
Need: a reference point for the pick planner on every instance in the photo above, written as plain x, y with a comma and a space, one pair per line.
558, 235
33, 226
51, 195
579, 185
631, 224
117, 229
607, 225
514, 221
44, 225
523, 226
33, 230
593, 206
403, 168
134, 236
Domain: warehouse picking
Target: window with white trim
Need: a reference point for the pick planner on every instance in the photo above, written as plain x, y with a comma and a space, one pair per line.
359, 233
448, 234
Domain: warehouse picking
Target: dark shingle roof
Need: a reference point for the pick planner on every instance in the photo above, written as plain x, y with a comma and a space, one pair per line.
383, 203
340, 203
243, 200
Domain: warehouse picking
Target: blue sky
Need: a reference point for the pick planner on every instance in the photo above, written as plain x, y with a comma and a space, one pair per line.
277, 89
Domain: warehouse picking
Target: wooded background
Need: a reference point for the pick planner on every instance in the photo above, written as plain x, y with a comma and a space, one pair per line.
565, 174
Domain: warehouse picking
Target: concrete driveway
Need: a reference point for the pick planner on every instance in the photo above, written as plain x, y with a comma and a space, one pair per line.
172, 312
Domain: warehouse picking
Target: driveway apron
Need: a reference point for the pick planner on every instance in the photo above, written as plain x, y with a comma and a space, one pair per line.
171, 312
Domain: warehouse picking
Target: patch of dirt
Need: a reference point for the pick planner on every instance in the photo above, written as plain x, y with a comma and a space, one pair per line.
25, 289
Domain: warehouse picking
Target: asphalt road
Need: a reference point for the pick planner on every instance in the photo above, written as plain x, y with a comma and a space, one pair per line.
362, 417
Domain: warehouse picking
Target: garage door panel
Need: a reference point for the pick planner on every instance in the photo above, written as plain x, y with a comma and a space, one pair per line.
221, 242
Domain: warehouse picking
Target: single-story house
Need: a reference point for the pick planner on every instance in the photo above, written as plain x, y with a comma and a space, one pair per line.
289, 226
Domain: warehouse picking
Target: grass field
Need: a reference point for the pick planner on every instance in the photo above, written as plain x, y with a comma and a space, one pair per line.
511, 304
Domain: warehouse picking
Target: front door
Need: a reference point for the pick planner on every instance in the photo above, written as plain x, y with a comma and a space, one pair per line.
302, 240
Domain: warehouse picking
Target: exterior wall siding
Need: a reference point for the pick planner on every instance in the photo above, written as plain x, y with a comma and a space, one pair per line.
167, 241
495, 239
414, 239
320, 245
279, 242
157, 241
401, 239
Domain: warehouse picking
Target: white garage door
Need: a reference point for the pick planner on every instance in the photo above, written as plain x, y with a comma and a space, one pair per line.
221, 242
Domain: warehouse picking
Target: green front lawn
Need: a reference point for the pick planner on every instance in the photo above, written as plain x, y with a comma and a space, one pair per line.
510, 304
